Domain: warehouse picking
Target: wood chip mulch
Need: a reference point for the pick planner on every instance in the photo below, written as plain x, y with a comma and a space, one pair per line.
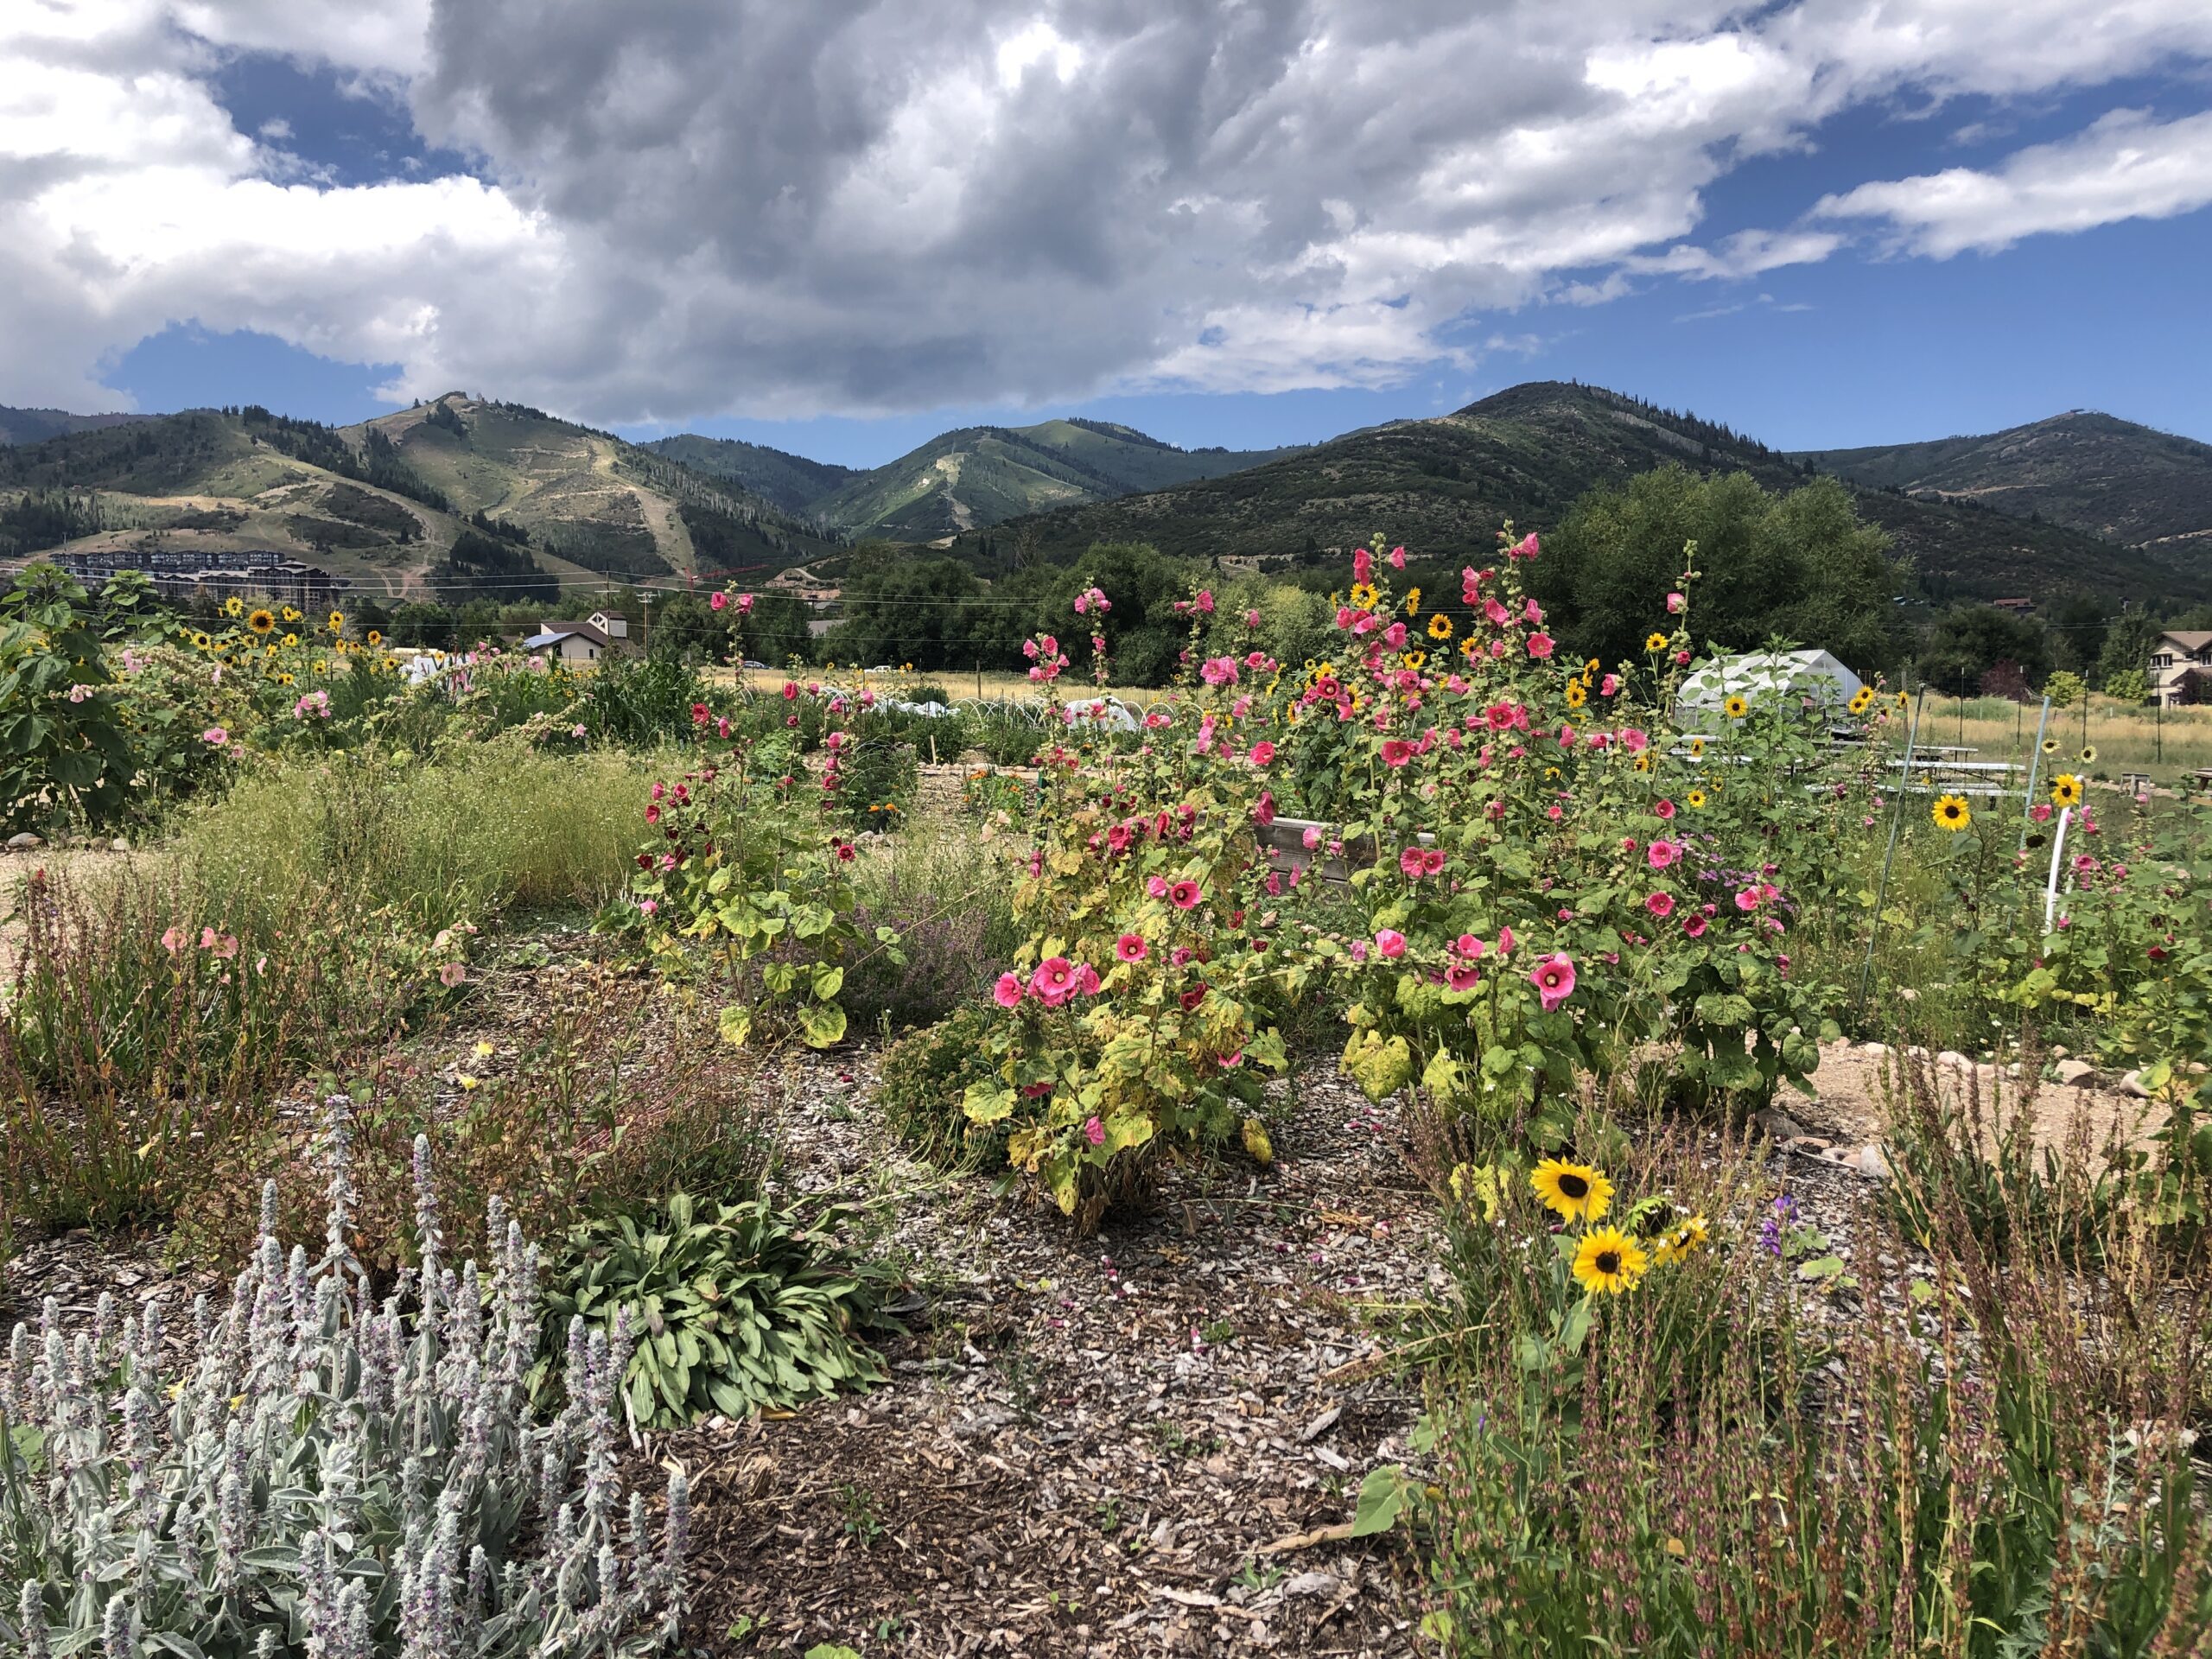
1087, 1446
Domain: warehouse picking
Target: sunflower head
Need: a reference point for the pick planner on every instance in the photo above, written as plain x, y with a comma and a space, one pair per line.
291, 638
375, 639
1572, 1192
2090, 755
1951, 812
1363, 596
1591, 666
1416, 659
1859, 703
336, 622
2066, 789
291, 615
1644, 760
1681, 1240
1412, 601
1439, 626
1609, 1261
262, 622
1735, 707
233, 606
1656, 642
1576, 696
1697, 746
2050, 746
201, 641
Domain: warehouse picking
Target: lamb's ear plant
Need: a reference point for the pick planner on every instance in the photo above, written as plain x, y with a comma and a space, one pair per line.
328, 1474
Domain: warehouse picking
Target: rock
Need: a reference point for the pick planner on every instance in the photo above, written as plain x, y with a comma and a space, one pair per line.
1311, 1584
2059, 1051
1877, 1050
119, 845
1871, 1161
2076, 1074
2131, 1086
23, 843
1952, 1060
1907, 994
1322, 1424
1776, 1124
1811, 1145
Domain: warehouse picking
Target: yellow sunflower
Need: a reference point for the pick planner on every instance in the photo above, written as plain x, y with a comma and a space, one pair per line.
2066, 789
291, 638
1696, 797
1363, 596
375, 639
1951, 812
1412, 601
2050, 746
1608, 1260
1656, 642
317, 664
1591, 666
201, 640
1902, 700
1697, 746
1469, 649
1416, 659
1573, 1191
291, 615
2090, 755
262, 622
1439, 626
1858, 703
337, 622
233, 606
1682, 1241
1735, 707
1576, 696
284, 679
1644, 760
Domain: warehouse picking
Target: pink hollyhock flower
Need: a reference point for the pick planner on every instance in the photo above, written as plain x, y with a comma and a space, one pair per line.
1695, 925
1390, 941
1218, 670
1396, 752
1498, 615
1205, 601
2040, 812
1180, 955
1131, 947
1747, 899
791, 691
1312, 837
1468, 946
1523, 549
214, 737
1397, 558
451, 973
1363, 565
1610, 686
648, 906
1463, 976
1007, 991
1504, 941
1675, 603
1263, 810
173, 941
1665, 809
1252, 618
206, 938
652, 814
1661, 904
1263, 754
1086, 979
745, 604
1553, 978
1183, 894
1554, 812
1540, 645
1156, 886
720, 601
1054, 982
1682, 659
1094, 1132
1633, 739
1660, 854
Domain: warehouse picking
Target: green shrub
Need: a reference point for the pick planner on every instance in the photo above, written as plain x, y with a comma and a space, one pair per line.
740, 1306
330, 1475
922, 1079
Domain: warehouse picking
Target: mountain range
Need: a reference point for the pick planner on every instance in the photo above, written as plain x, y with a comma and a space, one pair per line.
972, 476
2080, 504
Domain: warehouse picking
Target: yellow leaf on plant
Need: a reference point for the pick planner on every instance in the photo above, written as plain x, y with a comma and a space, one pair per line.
1257, 1142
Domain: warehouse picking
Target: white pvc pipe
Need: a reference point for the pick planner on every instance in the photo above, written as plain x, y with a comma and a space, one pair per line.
2057, 858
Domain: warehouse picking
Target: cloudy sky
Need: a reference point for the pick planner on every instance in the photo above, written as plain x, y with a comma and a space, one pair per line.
841, 226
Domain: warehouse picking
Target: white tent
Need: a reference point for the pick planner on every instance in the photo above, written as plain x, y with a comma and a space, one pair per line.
1808, 678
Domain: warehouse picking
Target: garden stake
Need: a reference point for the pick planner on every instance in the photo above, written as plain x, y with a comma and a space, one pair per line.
2057, 853
2034, 768
1882, 890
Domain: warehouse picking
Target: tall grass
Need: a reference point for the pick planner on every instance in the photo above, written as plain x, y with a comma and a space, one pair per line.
479, 829
2166, 744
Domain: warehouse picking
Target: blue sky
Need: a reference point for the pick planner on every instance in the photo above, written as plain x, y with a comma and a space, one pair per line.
1969, 229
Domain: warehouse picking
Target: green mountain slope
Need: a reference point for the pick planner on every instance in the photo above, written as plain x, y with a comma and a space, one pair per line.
35, 425
791, 482
382, 503
979, 475
1444, 484
2090, 472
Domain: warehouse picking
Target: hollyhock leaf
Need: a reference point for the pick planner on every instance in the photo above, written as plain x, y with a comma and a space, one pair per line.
735, 1025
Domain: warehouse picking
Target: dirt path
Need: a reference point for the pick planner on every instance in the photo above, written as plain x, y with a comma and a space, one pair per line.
1086, 1445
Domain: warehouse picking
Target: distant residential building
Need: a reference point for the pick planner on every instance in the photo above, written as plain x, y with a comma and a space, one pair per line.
2177, 653
601, 634
2018, 607
245, 574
